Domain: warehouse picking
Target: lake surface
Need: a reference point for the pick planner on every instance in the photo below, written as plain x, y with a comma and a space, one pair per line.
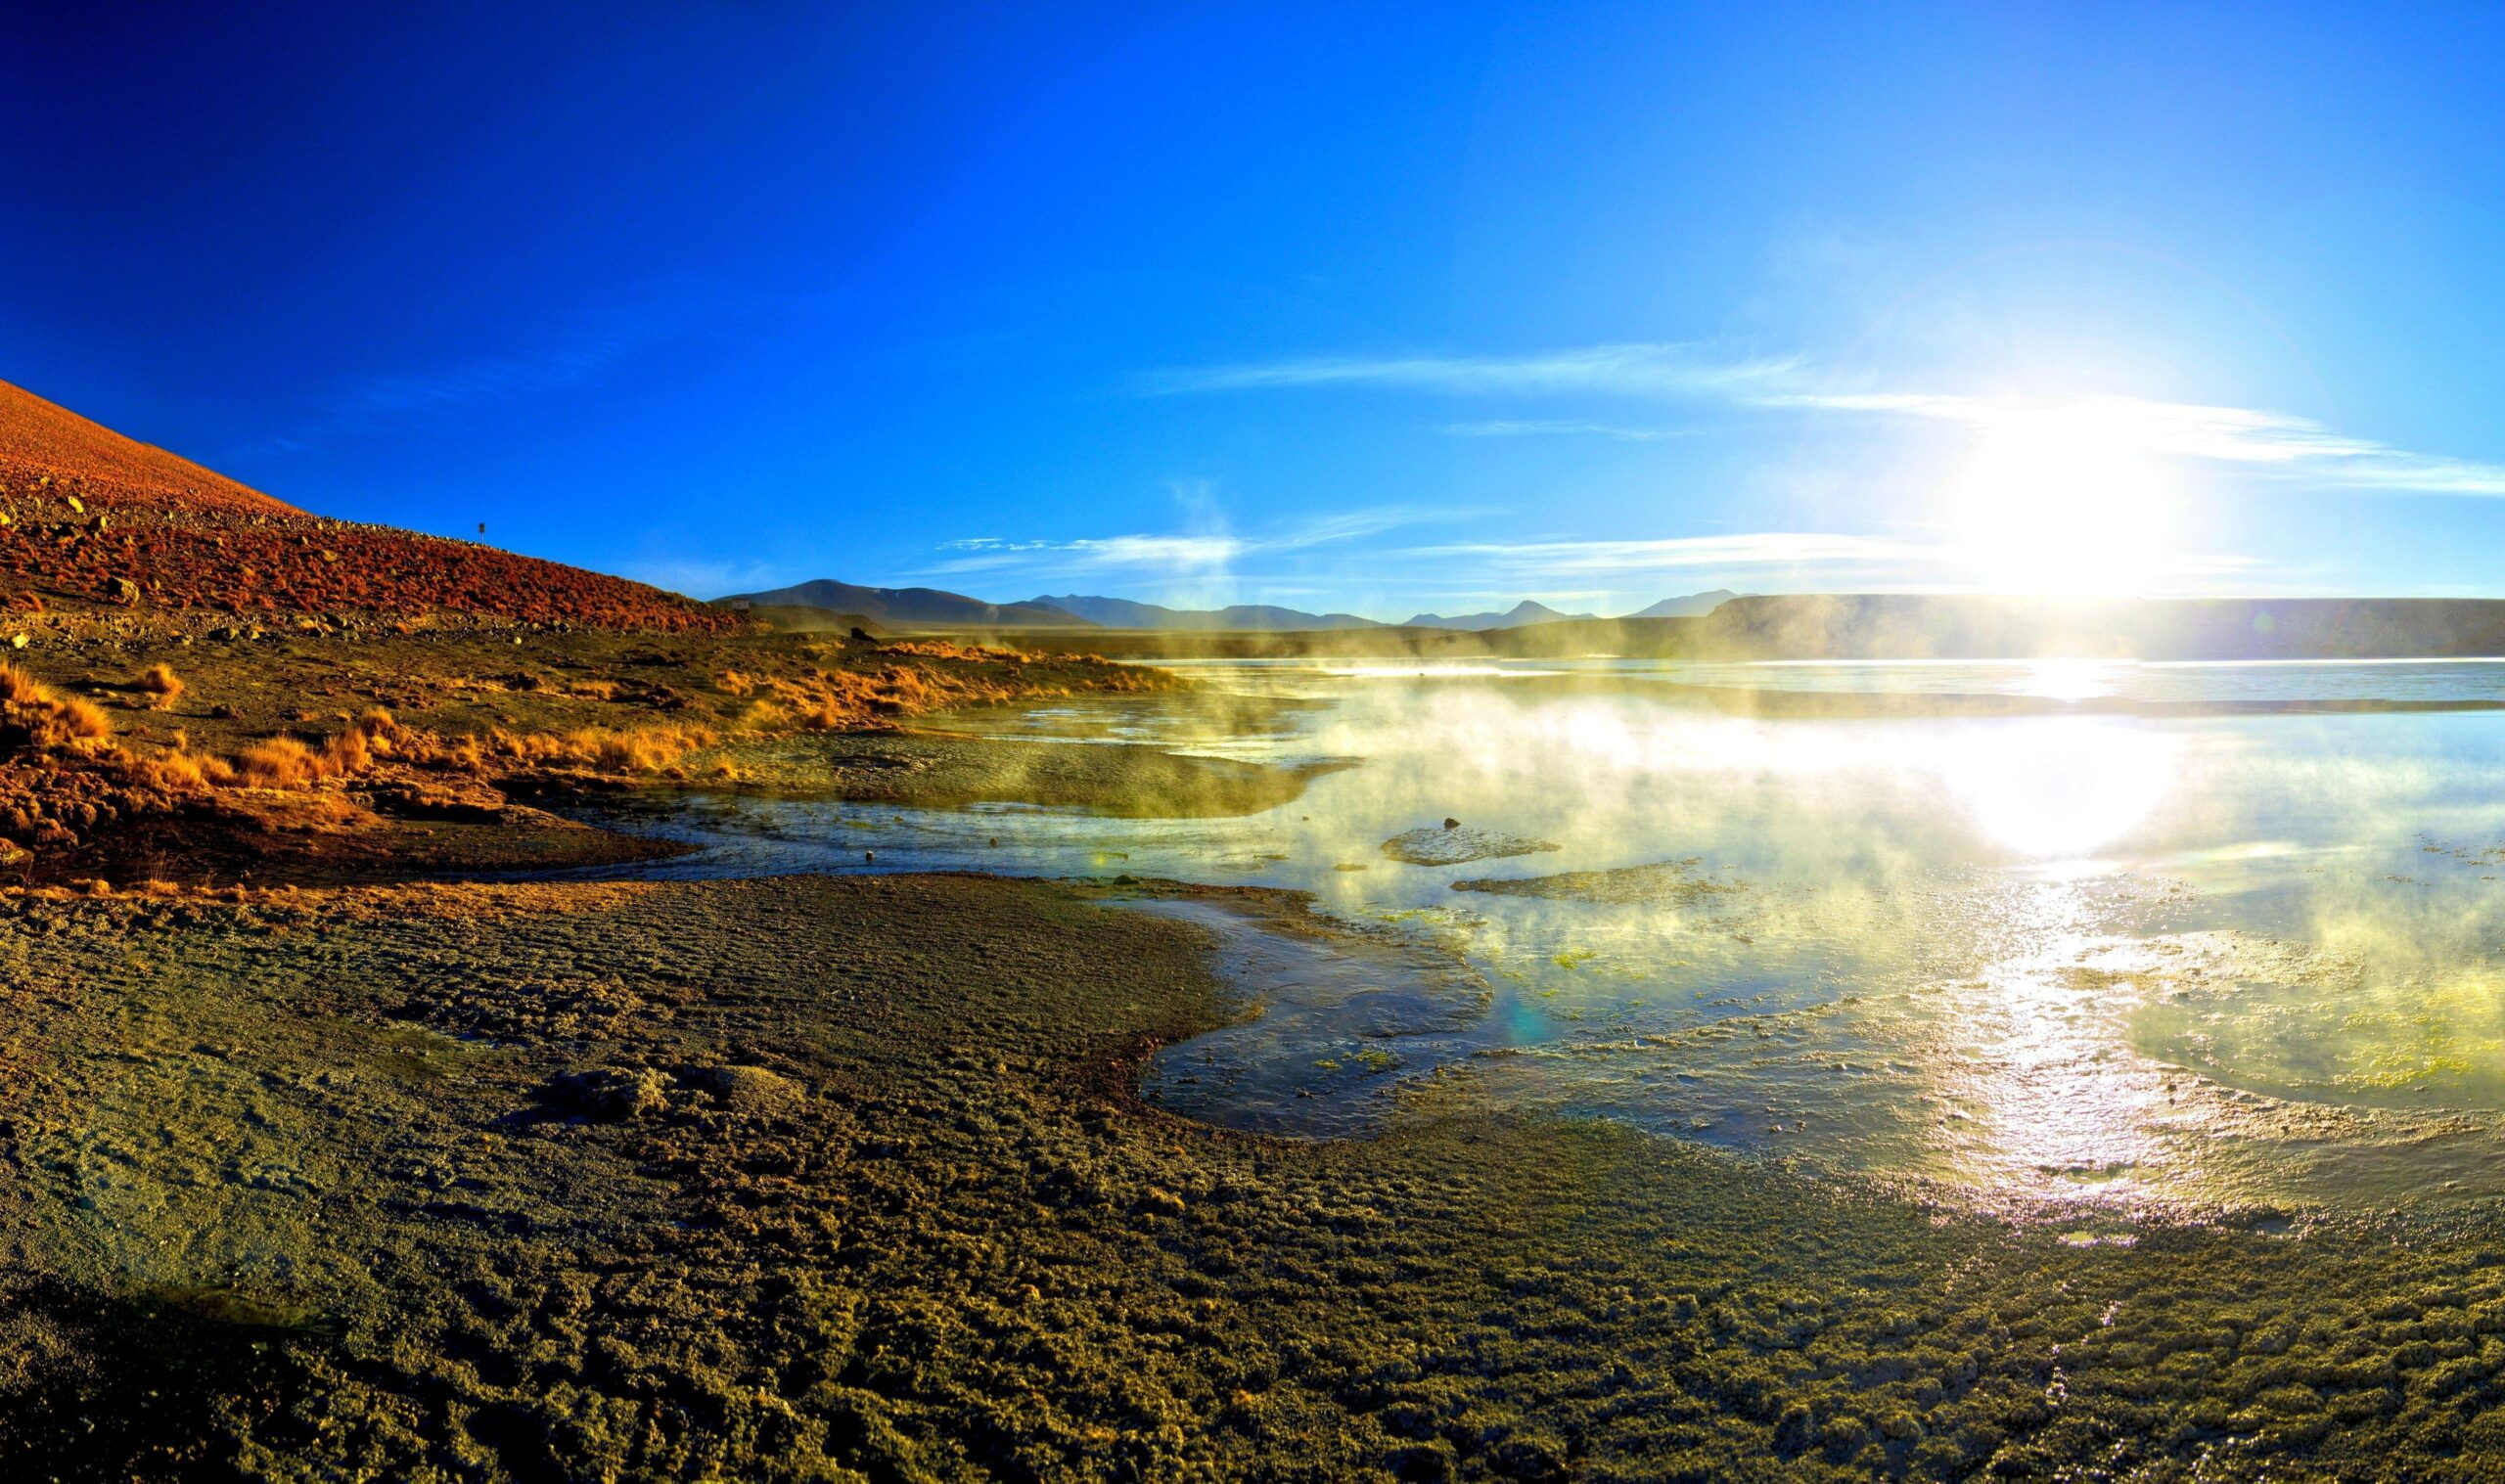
2215, 961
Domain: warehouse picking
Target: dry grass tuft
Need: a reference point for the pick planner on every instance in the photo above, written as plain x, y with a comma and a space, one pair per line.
287, 762
186, 771
40, 719
282, 762
161, 682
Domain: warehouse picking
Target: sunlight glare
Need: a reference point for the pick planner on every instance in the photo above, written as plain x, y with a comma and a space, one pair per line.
2060, 788
2063, 501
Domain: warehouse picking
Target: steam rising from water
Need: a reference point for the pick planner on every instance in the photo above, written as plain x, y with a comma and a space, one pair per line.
2052, 958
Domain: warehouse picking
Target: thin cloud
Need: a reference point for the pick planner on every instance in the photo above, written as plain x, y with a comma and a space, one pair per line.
1356, 524
573, 351
1756, 550
1171, 555
404, 398
2190, 429
1528, 429
2255, 440
1760, 552
1639, 370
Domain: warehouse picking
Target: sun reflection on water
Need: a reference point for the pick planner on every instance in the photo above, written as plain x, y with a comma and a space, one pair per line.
2061, 786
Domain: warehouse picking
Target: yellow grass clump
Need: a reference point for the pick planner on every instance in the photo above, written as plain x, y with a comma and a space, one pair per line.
44, 718
282, 762
161, 682
286, 762
645, 750
187, 772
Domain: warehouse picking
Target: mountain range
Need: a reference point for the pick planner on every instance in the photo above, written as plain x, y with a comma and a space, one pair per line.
1123, 614
1523, 612
908, 606
1693, 606
913, 607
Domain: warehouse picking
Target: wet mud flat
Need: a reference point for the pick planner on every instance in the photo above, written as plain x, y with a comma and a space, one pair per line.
833, 1179
938, 770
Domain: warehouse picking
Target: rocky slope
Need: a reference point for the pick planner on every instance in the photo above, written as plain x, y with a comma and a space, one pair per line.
89, 517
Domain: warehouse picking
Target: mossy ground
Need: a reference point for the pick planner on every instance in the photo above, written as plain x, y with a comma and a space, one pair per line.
929, 771
302, 1188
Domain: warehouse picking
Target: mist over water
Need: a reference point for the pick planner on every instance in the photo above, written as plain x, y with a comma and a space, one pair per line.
2215, 961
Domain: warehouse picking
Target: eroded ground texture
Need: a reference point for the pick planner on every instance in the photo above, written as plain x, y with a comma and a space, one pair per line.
837, 1178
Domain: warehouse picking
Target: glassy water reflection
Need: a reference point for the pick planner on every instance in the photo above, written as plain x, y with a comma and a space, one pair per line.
2241, 960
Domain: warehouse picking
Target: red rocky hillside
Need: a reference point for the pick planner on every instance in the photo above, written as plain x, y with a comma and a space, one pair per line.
88, 516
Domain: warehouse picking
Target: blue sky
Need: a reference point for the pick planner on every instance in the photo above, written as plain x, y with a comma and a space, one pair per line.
1378, 307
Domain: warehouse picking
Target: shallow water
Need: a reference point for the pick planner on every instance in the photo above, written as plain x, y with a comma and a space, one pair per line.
2217, 961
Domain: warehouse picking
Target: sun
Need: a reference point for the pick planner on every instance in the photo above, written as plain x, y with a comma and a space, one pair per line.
2063, 501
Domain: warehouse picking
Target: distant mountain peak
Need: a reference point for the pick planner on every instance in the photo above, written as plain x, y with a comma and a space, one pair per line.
1123, 614
1693, 606
1526, 611
909, 607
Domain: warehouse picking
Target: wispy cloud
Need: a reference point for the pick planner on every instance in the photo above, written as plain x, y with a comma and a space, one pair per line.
1538, 428
1758, 554
502, 378
1640, 369
1755, 551
2189, 429
2257, 441
569, 351
1170, 555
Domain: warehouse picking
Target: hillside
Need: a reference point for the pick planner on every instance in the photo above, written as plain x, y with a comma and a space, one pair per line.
907, 608
50, 449
805, 620
89, 517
